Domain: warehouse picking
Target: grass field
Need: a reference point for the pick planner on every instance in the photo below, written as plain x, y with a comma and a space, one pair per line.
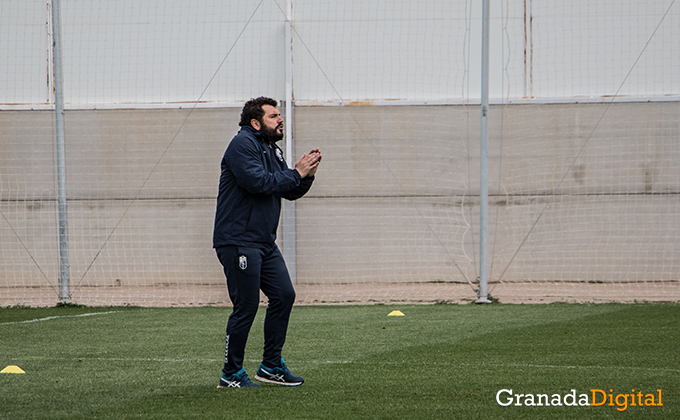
436, 362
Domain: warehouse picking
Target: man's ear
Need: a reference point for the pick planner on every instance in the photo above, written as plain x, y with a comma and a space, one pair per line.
255, 124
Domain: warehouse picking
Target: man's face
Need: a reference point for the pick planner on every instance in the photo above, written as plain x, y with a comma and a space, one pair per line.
272, 123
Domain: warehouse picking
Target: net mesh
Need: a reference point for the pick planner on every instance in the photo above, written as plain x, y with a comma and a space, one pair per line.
584, 173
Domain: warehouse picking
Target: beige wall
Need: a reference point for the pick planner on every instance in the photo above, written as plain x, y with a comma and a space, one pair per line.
395, 198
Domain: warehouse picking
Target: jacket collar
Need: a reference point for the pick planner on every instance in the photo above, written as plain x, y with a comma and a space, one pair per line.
258, 134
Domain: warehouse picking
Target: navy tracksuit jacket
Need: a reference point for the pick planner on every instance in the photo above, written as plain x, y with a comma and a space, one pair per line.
254, 178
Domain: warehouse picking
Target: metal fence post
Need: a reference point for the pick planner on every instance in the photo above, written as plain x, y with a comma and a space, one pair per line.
483, 294
288, 227
65, 293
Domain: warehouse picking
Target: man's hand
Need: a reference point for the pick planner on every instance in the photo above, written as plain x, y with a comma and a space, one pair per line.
308, 163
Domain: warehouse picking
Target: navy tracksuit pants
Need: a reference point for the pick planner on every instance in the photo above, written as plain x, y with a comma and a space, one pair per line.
249, 270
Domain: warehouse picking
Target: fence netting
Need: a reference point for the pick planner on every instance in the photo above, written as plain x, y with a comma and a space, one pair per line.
584, 147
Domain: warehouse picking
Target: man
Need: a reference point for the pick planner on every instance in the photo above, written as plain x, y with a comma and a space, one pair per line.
254, 178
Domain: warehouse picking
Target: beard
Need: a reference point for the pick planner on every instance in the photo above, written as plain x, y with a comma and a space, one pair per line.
273, 134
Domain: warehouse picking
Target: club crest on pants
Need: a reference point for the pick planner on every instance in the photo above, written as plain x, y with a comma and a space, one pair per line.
242, 262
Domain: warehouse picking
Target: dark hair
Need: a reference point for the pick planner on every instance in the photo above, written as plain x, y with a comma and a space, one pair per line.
253, 109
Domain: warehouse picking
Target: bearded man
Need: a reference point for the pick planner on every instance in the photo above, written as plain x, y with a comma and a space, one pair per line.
253, 180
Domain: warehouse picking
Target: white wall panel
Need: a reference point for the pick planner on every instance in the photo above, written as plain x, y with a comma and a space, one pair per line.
165, 52
24, 47
583, 48
380, 50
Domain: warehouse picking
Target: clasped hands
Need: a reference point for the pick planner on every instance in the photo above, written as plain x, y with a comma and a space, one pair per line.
308, 163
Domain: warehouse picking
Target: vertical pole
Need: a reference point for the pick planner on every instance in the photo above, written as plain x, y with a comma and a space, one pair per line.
289, 82
288, 227
65, 293
483, 294
528, 50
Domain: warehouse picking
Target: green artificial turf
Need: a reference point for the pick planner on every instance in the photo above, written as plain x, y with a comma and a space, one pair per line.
436, 362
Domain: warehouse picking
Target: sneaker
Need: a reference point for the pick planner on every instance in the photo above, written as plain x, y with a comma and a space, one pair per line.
239, 379
279, 375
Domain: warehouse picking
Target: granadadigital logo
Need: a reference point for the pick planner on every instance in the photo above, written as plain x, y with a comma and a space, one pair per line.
595, 398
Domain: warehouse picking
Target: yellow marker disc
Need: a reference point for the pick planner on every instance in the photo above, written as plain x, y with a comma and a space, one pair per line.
12, 369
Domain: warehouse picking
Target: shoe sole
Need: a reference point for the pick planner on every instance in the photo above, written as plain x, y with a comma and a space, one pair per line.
254, 385
269, 381
238, 387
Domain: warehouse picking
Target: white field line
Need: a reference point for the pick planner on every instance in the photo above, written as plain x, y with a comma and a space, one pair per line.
50, 318
342, 362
